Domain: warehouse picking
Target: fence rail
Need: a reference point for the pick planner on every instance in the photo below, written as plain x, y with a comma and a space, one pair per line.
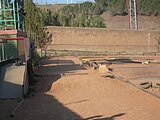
11, 48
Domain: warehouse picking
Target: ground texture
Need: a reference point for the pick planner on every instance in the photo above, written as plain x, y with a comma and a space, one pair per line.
68, 91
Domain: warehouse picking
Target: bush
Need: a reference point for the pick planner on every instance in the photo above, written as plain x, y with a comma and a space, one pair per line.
117, 7
149, 7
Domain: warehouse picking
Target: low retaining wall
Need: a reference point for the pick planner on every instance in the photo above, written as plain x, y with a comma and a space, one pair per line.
102, 39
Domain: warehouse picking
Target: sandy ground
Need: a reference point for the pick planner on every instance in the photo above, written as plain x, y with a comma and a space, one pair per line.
68, 91
138, 73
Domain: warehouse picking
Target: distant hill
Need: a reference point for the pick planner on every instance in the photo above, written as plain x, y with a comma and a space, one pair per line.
54, 6
117, 22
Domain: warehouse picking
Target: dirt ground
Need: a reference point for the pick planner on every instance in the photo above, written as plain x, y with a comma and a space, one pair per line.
138, 73
68, 91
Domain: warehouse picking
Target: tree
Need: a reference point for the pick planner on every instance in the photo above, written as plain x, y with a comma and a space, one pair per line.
117, 7
101, 6
149, 7
97, 22
34, 23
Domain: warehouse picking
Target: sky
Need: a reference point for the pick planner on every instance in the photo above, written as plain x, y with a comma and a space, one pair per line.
58, 1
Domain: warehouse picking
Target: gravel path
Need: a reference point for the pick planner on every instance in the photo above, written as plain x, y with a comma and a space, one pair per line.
67, 91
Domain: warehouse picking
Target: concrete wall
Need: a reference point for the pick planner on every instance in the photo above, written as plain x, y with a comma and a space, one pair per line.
13, 83
103, 39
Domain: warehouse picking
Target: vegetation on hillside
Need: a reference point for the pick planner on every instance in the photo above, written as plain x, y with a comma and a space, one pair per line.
149, 7
145, 7
81, 15
117, 7
87, 14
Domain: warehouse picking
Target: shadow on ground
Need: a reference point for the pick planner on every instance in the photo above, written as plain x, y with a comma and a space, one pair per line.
60, 67
45, 106
122, 60
100, 117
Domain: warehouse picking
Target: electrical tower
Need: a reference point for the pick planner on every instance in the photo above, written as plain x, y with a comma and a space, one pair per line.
132, 13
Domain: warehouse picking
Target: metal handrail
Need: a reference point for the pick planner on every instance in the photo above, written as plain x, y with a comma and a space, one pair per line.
13, 19
3, 52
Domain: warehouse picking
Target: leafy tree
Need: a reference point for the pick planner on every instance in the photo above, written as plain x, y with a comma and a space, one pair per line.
149, 7
63, 19
101, 6
97, 22
117, 7
35, 25
79, 15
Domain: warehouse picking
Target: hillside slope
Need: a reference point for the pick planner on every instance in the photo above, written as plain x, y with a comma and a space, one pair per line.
117, 22
53, 7
121, 22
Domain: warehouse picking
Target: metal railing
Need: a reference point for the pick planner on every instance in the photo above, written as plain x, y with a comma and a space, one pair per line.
8, 50
11, 16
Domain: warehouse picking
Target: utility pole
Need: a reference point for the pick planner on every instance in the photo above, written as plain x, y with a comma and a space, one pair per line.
67, 1
132, 14
46, 2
